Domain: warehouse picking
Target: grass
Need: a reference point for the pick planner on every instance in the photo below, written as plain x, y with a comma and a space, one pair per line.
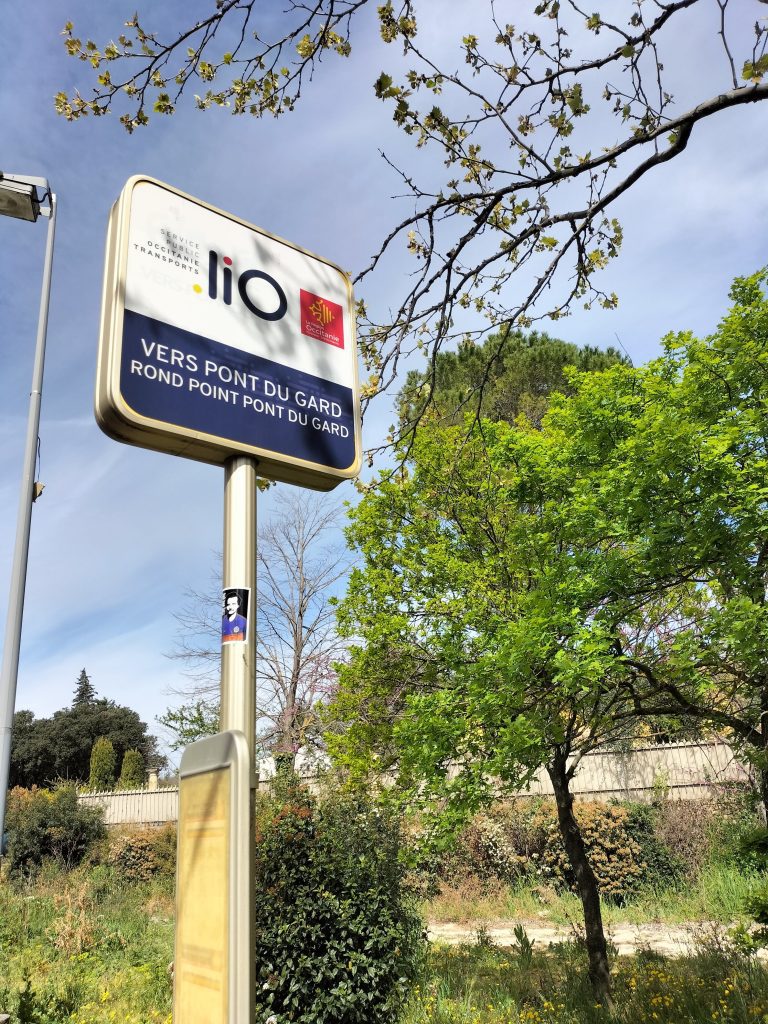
484, 985
718, 895
86, 949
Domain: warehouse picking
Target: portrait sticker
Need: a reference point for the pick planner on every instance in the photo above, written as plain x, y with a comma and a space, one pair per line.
234, 616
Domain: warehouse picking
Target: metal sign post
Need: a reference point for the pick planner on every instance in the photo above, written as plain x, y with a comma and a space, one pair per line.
238, 657
223, 343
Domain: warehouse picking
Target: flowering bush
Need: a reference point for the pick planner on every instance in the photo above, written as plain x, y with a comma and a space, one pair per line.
140, 853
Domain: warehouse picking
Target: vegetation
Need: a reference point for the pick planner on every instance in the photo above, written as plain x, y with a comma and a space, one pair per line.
132, 770
511, 374
80, 946
520, 843
103, 764
85, 948
524, 595
140, 854
337, 934
536, 130
481, 984
44, 750
52, 824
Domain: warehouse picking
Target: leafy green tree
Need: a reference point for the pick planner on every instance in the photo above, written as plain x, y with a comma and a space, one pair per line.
85, 692
507, 376
33, 755
44, 750
131, 770
191, 721
482, 628
673, 457
538, 129
103, 765
524, 595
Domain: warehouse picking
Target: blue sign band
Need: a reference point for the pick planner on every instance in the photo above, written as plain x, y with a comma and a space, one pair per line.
186, 380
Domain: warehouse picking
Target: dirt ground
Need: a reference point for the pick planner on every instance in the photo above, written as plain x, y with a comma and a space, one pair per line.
671, 940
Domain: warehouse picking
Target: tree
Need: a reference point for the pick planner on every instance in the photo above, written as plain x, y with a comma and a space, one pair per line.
677, 453
482, 615
545, 127
131, 771
506, 377
103, 764
32, 753
300, 563
85, 692
561, 583
44, 750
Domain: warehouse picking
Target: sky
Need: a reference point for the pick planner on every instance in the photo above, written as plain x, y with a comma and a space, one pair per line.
121, 533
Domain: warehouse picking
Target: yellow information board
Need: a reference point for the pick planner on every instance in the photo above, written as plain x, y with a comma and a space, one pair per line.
213, 968
201, 968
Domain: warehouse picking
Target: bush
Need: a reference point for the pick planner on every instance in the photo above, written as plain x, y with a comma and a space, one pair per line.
103, 764
132, 770
614, 853
46, 823
685, 827
663, 865
522, 839
141, 853
502, 844
337, 937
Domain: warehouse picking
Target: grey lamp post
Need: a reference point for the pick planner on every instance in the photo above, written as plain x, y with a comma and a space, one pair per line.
19, 197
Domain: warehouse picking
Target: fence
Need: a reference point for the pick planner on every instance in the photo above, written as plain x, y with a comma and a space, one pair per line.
684, 771
142, 806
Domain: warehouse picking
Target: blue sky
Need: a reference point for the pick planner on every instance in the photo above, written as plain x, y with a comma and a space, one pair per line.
121, 532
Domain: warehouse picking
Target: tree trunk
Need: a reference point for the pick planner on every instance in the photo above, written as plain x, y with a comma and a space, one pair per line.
586, 884
762, 761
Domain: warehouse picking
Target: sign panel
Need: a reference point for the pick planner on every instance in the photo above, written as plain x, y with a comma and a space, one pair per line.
219, 339
201, 967
213, 956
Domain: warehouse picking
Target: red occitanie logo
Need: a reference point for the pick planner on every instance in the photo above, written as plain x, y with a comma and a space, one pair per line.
322, 319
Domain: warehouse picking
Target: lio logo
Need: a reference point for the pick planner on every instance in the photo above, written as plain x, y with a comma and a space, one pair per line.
281, 303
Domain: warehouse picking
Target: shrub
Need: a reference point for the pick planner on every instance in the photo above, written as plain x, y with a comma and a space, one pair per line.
685, 827
103, 764
141, 853
522, 838
499, 845
132, 770
45, 823
337, 938
663, 866
615, 855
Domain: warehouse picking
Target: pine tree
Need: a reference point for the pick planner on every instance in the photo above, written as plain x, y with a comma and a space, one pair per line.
85, 692
103, 764
132, 771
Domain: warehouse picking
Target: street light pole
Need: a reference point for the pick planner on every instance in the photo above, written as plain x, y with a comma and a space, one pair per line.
19, 198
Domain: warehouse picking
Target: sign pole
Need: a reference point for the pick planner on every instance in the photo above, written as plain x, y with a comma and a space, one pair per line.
238, 659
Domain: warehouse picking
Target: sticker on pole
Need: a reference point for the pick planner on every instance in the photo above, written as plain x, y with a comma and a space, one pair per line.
219, 339
234, 619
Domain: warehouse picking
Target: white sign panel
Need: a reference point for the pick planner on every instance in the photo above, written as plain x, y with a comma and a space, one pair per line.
219, 339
